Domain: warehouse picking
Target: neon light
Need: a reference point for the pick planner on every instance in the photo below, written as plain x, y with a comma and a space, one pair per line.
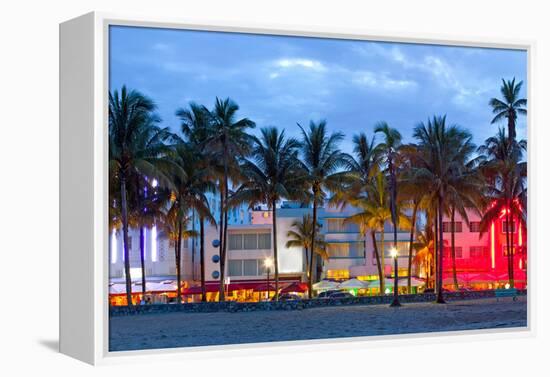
492, 245
154, 254
145, 244
521, 264
520, 237
114, 249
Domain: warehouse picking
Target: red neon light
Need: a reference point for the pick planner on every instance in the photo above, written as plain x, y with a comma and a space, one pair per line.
520, 238
493, 245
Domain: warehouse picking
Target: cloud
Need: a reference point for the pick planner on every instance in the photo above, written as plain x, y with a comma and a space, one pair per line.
381, 80
314, 65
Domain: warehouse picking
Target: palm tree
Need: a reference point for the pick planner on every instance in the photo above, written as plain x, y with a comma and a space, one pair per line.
191, 179
131, 116
321, 158
300, 236
425, 251
175, 229
374, 212
389, 149
196, 127
273, 173
229, 140
509, 106
505, 188
442, 152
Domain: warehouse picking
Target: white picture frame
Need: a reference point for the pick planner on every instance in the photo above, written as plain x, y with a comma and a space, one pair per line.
84, 312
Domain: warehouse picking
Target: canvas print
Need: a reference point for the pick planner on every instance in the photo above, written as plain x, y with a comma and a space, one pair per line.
267, 188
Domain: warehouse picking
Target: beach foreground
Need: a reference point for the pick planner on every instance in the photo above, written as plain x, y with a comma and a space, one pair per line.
168, 330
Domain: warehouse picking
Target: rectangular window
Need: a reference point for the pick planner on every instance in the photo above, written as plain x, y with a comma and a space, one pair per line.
505, 225
264, 241
448, 252
339, 226
346, 250
235, 241
402, 248
186, 243
457, 226
250, 267
338, 274
250, 241
235, 267
475, 226
478, 251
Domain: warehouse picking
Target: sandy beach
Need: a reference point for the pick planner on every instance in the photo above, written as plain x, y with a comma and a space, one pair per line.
168, 330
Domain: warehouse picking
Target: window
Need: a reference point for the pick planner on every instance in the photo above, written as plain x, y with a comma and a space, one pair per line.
505, 225
448, 252
186, 243
478, 251
457, 226
402, 248
235, 241
235, 267
339, 226
264, 241
250, 267
250, 241
475, 226
346, 250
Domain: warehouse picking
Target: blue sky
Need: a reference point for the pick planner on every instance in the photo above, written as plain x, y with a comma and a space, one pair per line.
278, 81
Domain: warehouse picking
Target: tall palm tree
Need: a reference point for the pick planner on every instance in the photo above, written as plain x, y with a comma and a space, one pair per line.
131, 115
509, 106
229, 140
192, 182
425, 251
196, 123
390, 149
506, 190
374, 212
321, 158
442, 152
299, 235
273, 173
175, 229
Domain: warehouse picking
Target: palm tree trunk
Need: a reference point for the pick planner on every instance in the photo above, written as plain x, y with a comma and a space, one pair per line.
275, 254
313, 235
383, 262
124, 215
203, 284
378, 265
307, 263
511, 126
411, 240
221, 295
440, 299
178, 262
453, 251
142, 260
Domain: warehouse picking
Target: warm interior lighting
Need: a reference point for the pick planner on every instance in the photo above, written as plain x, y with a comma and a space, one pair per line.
520, 237
493, 245
507, 286
114, 249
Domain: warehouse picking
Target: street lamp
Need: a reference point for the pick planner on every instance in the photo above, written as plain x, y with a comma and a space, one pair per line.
395, 302
268, 263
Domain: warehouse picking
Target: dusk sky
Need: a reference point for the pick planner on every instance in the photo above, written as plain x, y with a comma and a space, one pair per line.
278, 81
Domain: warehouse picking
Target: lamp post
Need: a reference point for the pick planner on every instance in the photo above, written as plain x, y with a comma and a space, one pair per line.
268, 262
395, 302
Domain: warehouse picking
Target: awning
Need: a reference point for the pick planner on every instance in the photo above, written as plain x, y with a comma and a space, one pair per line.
325, 285
295, 287
353, 284
264, 287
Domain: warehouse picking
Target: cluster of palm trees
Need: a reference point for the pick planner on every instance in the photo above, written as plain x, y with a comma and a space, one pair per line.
157, 178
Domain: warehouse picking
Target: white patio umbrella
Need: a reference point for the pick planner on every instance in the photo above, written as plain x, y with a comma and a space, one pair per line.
353, 284
325, 285
116, 289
